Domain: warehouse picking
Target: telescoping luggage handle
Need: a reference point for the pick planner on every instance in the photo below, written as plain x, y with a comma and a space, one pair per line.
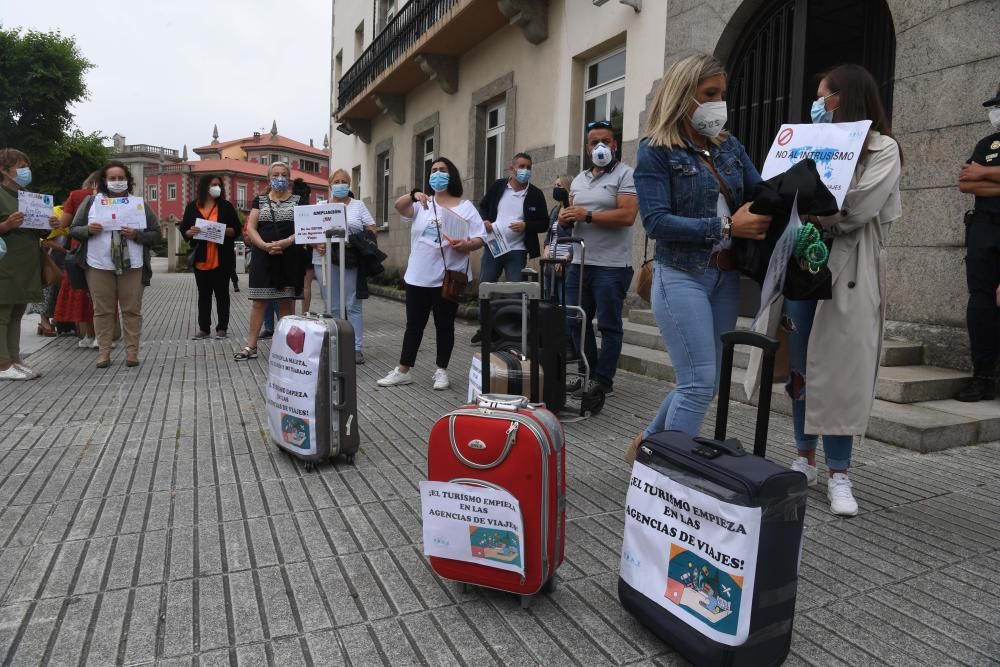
769, 347
533, 292
341, 240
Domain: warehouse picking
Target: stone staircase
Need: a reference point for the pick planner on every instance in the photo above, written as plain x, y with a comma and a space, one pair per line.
913, 404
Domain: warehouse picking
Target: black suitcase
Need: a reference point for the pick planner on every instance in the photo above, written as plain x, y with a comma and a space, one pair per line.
315, 424
713, 537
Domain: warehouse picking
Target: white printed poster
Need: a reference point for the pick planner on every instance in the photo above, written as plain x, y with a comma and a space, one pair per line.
475, 379
312, 222
693, 554
37, 209
213, 232
113, 213
292, 382
834, 147
496, 242
472, 524
444, 227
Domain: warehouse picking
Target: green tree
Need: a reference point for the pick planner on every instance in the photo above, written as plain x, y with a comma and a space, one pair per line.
41, 76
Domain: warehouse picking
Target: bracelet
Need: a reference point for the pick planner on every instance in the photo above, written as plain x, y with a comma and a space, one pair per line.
727, 228
810, 249
413, 192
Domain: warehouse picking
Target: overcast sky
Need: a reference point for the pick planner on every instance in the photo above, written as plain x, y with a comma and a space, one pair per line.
165, 72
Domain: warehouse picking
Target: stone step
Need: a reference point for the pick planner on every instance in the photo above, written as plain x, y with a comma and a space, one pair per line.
913, 384
901, 353
920, 425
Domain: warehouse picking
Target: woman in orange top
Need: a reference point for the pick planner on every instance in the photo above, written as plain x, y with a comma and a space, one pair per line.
211, 261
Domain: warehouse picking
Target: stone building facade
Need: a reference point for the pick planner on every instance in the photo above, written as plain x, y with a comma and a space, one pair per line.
478, 80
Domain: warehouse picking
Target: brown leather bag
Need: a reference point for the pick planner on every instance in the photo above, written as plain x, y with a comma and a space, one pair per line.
455, 282
644, 278
51, 273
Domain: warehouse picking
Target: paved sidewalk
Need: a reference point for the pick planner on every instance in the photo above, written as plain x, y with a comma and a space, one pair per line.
147, 520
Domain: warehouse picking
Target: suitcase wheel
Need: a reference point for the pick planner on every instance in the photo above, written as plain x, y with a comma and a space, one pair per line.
592, 402
526, 601
550, 585
349, 459
309, 466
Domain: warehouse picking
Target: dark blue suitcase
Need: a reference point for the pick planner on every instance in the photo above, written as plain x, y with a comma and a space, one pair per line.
702, 611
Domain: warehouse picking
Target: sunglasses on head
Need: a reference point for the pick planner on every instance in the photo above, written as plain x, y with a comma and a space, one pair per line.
599, 125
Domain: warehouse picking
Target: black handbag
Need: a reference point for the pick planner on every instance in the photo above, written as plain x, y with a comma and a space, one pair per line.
801, 284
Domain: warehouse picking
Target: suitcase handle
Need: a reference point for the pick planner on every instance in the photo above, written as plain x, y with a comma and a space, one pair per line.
530, 289
533, 292
508, 402
710, 448
769, 347
341, 380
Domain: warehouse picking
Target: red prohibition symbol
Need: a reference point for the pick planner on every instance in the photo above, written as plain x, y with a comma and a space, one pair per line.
785, 136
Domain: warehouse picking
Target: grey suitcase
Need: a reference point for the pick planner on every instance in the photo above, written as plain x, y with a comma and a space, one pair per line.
336, 397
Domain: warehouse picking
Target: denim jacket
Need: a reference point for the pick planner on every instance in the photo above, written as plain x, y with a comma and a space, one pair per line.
679, 197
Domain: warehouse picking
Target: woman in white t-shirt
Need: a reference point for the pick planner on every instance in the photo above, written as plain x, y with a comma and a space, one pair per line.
358, 221
444, 229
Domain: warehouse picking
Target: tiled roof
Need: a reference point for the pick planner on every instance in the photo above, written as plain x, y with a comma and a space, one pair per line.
265, 141
250, 169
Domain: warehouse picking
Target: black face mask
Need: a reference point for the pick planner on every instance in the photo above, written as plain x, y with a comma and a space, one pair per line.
560, 195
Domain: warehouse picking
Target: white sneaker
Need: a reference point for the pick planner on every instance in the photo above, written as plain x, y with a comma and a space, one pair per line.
27, 371
395, 378
14, 373
842, 501
441, 379
86, 341
801, 465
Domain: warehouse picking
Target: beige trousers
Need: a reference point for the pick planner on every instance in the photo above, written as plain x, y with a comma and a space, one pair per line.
109, 291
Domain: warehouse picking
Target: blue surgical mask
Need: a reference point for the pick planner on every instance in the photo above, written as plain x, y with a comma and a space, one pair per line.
523, 176
439, 181
279, 184
818, 112
340, 190
23, 176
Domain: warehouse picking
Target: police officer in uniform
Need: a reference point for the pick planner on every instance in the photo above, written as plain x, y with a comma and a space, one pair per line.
981, 177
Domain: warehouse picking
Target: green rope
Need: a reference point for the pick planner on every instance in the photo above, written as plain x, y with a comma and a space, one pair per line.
810, 249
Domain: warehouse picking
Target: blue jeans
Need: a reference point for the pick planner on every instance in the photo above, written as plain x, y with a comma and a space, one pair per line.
270, 314
797, 321
511, 264
692, 311
604, 290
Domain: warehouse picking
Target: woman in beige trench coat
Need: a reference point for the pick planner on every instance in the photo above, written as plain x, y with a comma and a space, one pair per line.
834, 345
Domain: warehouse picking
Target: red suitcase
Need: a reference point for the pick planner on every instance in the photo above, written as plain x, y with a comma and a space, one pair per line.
507, 444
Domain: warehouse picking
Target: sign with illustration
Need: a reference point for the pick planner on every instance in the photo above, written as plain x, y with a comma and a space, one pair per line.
312, 222
473, 524
693, 554
292, 382
37, 209
113, 213
213, 232
834, 147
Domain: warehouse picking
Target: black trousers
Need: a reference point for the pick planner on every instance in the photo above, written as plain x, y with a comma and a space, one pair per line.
982, 273
214, 282
420, 303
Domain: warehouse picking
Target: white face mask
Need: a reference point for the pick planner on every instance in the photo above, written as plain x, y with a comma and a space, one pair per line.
601, 155
709, 118
995, 118
118, 187
215, 191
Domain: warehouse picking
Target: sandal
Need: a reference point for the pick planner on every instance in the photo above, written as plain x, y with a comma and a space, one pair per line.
47, 331
246, 353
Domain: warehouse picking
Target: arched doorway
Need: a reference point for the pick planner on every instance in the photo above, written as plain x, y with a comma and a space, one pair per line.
783, 47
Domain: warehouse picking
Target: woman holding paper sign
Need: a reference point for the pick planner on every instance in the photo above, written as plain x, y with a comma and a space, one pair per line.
837, 343
277, 266
444, 229
212, 261
20, 272
694, 180
359, 220
115, 258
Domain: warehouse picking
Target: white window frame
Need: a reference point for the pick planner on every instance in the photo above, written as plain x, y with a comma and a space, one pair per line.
383, 179
151, 192
241, 195
426, 158
171, 192
497, 132
601, 90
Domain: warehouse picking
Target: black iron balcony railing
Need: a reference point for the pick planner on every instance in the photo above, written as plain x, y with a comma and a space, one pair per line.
405, 29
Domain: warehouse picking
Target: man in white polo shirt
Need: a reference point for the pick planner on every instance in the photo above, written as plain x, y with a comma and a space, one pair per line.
602, 212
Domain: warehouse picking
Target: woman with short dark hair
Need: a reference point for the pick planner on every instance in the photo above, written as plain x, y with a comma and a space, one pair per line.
114, 261
212, 261
431, 215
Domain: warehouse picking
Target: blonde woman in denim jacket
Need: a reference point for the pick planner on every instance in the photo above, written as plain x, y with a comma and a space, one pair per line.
693, 180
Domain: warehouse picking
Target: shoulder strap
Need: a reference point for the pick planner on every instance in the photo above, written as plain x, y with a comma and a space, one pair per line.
723, 186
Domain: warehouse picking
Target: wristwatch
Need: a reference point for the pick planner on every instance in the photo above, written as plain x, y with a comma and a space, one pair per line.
413, 193
590, 217
727, 228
